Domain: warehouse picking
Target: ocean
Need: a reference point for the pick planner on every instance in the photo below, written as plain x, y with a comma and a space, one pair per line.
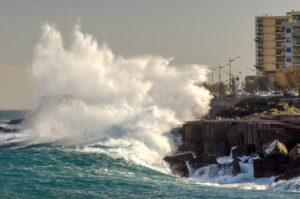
55, 170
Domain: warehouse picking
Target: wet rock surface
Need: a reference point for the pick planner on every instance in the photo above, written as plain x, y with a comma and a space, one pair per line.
274, 139
243, 150
16, 121
8, 130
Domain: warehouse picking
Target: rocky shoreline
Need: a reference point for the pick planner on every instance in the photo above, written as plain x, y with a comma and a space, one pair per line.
274, 140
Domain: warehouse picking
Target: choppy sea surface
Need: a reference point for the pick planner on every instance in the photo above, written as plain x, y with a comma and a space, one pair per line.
44, 170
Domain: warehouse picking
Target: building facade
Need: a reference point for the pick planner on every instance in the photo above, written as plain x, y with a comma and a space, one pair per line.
277, 43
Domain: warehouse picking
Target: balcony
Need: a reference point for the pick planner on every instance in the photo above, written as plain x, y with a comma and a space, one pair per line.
280, 38
296, 24
281, 54
296, 54
296, 34
280, 61
297, 43
281, 45
296, 63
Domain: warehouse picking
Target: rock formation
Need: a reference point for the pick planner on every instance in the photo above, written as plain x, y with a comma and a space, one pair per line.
275, 139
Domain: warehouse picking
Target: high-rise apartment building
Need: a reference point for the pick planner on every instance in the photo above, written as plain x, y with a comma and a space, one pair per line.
277, 43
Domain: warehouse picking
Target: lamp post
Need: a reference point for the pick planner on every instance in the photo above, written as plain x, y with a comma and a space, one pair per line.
220, 67
212, 75
230, 75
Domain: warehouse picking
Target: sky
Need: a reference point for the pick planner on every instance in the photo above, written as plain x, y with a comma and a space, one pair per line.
191, 31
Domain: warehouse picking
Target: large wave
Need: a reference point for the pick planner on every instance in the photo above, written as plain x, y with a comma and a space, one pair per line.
98, 98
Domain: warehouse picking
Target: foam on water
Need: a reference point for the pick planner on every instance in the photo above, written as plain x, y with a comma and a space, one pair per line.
244, 180
98, 98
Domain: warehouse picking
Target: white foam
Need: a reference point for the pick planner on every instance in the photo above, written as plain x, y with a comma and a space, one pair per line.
244, 180
129, 102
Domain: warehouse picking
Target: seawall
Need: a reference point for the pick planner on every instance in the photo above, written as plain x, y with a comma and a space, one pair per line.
206, 140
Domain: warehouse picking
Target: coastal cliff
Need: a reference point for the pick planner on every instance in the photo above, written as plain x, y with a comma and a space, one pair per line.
274, 140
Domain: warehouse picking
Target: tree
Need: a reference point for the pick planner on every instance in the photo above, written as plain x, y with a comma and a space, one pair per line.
288, 78
251, 85
222, 89
218, 88
262, 83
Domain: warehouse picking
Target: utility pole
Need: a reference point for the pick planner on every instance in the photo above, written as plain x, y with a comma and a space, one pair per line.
212, 75
220, 67
230, 75
241, 73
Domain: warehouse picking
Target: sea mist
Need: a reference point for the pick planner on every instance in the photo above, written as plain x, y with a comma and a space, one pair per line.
93, 97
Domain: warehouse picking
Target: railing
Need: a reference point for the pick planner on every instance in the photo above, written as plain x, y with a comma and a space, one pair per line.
296, 43
296, 34
280, 54
296, 24
280, 45
280, 60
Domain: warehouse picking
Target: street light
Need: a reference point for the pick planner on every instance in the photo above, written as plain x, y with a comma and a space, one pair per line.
230, 61
220, 67
212, 75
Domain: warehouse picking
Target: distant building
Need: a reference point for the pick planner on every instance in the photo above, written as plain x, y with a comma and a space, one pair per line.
277, 43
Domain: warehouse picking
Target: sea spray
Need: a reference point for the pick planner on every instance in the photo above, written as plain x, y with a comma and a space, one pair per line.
98, 98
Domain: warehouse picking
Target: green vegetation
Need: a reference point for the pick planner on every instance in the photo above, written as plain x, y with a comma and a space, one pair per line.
259, 105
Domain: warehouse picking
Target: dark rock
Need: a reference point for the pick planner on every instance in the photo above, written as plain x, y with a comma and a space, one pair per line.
16, 121
275, 148
183, 156
178, 167
5, 130
265, 136
203, 160
294, 156
216, 149
235, 167
216, 132
243, 150
192, 132
236, 135
289, 175
177, 162
250, 157
191, 146
268, 167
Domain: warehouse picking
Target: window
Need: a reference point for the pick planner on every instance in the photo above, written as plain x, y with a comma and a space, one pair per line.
288, 40
288, 59
288, 30
288, 50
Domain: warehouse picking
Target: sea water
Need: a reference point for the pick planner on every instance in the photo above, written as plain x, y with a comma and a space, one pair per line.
93, 171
